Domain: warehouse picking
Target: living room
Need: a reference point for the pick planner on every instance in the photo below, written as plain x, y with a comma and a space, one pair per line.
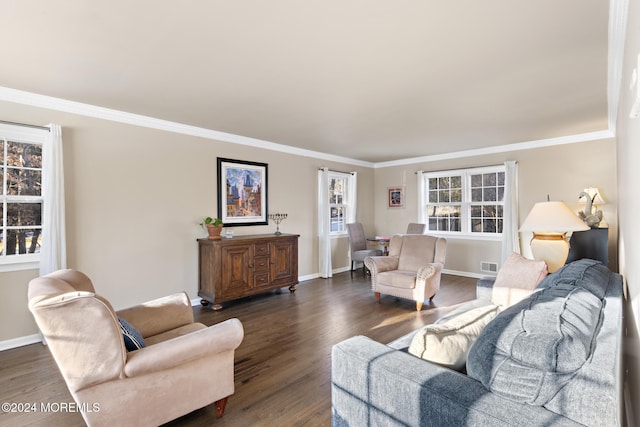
137, 187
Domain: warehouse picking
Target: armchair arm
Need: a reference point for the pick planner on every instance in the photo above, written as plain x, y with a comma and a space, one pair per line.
159, 315
428, 271
221, 337
378, 264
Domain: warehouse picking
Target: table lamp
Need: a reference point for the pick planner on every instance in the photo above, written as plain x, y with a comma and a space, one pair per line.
550, 222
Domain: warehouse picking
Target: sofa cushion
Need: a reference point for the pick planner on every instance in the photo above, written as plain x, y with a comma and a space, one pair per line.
132, 337
517, 279
447, 343
535, 347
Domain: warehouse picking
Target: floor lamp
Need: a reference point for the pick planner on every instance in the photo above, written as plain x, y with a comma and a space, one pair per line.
550, 222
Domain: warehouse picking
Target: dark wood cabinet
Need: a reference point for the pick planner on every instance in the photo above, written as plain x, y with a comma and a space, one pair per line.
246, 265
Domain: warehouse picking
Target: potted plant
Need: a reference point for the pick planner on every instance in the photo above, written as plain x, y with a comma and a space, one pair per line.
213, 227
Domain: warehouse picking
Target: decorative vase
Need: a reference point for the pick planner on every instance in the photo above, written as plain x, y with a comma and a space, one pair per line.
214, 231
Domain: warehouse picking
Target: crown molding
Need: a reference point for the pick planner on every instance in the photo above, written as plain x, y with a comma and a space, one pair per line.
57, 104
63, 105
570, 139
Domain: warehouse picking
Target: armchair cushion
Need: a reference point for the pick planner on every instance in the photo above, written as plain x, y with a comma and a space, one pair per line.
448, 343
132, 337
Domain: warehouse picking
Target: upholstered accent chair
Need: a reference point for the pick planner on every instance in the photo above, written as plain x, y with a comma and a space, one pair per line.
358, 244
182, 366
415, 228
412, 269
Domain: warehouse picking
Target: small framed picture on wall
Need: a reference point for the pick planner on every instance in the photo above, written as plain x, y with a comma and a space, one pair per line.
395, 197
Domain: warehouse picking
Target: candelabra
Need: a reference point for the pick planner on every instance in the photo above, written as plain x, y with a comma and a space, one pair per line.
278, 218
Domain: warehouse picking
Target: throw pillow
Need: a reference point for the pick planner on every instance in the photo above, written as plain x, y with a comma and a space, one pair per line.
132, 337
448, 343
517, 279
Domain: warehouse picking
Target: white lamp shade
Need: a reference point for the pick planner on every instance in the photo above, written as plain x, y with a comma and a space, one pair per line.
552, 217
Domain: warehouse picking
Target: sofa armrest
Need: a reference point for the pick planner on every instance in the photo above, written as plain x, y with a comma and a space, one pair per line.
373, 384
219, 338
378, 264
159, 315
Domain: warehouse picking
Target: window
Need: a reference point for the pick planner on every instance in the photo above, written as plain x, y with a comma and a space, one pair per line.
21, 194
469, 201
339, 201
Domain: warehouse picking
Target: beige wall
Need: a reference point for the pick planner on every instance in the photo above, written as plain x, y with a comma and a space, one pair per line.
135, 196
561, 171
628, 135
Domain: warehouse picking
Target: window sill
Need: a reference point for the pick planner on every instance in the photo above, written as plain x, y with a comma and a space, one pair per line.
7, 265
467, 236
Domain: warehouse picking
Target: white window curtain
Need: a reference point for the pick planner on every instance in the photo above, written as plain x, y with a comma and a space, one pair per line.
324, 224
510, 236
53, 255
353, 197
421, 194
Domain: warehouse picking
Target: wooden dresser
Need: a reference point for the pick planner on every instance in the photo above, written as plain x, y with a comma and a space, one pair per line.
246, 265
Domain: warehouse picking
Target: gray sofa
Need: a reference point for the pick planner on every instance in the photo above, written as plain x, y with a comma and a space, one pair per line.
551, 359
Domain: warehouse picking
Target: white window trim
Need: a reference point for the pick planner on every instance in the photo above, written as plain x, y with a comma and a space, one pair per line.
28, 135
465, 219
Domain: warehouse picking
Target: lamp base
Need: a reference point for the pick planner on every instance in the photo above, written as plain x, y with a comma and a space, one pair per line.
552, 248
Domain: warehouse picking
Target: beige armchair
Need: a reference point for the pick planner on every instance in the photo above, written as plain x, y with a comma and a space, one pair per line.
412, 269
184, 365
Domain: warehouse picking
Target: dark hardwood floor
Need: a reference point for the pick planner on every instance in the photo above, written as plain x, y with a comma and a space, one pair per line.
283, 366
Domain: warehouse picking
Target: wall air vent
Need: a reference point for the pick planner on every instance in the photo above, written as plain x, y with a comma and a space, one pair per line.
488, 267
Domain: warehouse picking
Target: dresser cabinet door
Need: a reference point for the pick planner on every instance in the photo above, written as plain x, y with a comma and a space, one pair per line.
283, 262
237, 270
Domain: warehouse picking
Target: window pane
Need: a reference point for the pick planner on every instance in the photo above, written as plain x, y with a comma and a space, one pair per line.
23, 241
433, 183
1, 151
489, 225
476, 195
336, 190
24, 155
501, 178
433, 197
476, 225
489, 211
24, 214
23, 182
500, 194
500, 222
476, 211
476, 180
443, 196
433, 224
443, 182
337, 219
489, 194
489, 179
456, 182
456, 196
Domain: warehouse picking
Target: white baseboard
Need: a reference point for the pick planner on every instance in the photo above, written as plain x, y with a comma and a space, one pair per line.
466, 274
20, 341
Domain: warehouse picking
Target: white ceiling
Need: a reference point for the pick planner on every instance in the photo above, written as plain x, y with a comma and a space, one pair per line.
368, 80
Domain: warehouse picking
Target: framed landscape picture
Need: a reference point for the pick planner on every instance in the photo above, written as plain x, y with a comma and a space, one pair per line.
242, 192
395, 197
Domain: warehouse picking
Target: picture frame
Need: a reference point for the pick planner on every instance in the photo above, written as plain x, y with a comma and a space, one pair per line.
395, 197
242, 192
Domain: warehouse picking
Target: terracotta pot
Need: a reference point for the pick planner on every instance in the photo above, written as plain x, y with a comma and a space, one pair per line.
214, 231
